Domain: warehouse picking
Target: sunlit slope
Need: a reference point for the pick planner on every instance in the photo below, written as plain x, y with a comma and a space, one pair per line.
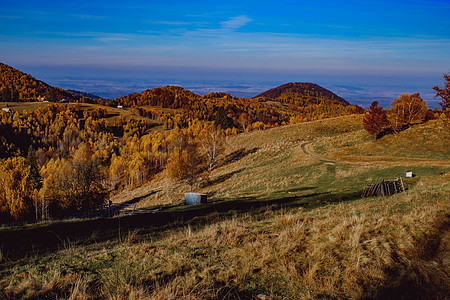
324, 161
16, 85
430, 140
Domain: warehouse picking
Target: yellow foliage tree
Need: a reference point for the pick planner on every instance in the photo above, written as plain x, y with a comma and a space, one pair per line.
185, 164
74, 183
406, 110
16, 188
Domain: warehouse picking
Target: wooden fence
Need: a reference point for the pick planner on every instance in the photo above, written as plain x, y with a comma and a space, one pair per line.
383, 188
109, 210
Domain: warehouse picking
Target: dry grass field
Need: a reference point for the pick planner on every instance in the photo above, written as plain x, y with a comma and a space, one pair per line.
284, 220
333, 156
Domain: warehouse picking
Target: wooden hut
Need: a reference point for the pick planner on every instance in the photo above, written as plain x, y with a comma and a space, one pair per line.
195, 198
408, 174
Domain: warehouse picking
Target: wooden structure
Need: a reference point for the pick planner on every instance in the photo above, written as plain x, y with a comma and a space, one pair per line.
383, 188
195, 198
110, 210
408, 174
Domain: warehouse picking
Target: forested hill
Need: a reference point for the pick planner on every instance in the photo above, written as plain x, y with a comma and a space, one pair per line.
302, 94
16, 86
166, 96
288, 104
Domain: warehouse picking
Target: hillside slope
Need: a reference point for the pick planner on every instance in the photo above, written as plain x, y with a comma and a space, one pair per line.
279, 222
307, 93
273, 164
166, 96
420, 142
16, 86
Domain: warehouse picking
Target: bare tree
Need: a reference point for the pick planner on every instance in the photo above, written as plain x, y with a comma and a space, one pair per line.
212, 142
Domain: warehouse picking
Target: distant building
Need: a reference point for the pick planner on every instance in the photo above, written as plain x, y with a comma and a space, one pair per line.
6, 109
195, 198
120, 106
64, 101
408, 174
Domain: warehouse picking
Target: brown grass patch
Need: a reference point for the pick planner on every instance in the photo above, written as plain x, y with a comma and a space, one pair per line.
375, 247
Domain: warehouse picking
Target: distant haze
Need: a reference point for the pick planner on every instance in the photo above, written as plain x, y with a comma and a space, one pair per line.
355, 89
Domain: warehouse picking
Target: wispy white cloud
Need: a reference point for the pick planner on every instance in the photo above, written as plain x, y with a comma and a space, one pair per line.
114, 38
174, 23
88, 17
10, 17
99, 36
227, 27
236, 22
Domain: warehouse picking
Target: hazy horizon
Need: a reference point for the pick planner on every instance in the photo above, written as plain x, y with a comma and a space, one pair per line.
359, 90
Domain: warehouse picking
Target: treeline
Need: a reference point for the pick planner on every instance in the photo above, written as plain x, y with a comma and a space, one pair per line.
60, 158
233, 112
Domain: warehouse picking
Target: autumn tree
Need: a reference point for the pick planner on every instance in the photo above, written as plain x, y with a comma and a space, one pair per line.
74, 183
244, 120
221, 119
186, 163
35, 178
375, 120
31, 161
15, 188
116, 170
406, 110
444, 93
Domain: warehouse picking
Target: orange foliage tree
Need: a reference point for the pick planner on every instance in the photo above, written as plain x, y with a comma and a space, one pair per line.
375, 120
187, 160
444, 93
74, 183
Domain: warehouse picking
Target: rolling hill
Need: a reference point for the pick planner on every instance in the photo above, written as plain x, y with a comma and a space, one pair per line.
287, 104
16, 86
166, 96
305, 93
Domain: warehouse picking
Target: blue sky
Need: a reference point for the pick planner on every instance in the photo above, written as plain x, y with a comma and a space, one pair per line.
228, 39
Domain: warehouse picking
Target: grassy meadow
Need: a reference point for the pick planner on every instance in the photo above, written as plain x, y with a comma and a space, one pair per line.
284, 220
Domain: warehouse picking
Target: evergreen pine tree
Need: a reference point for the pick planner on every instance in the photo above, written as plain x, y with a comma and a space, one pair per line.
35, 177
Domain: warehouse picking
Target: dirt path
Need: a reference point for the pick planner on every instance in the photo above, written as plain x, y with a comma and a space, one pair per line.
368, 160
307, 149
